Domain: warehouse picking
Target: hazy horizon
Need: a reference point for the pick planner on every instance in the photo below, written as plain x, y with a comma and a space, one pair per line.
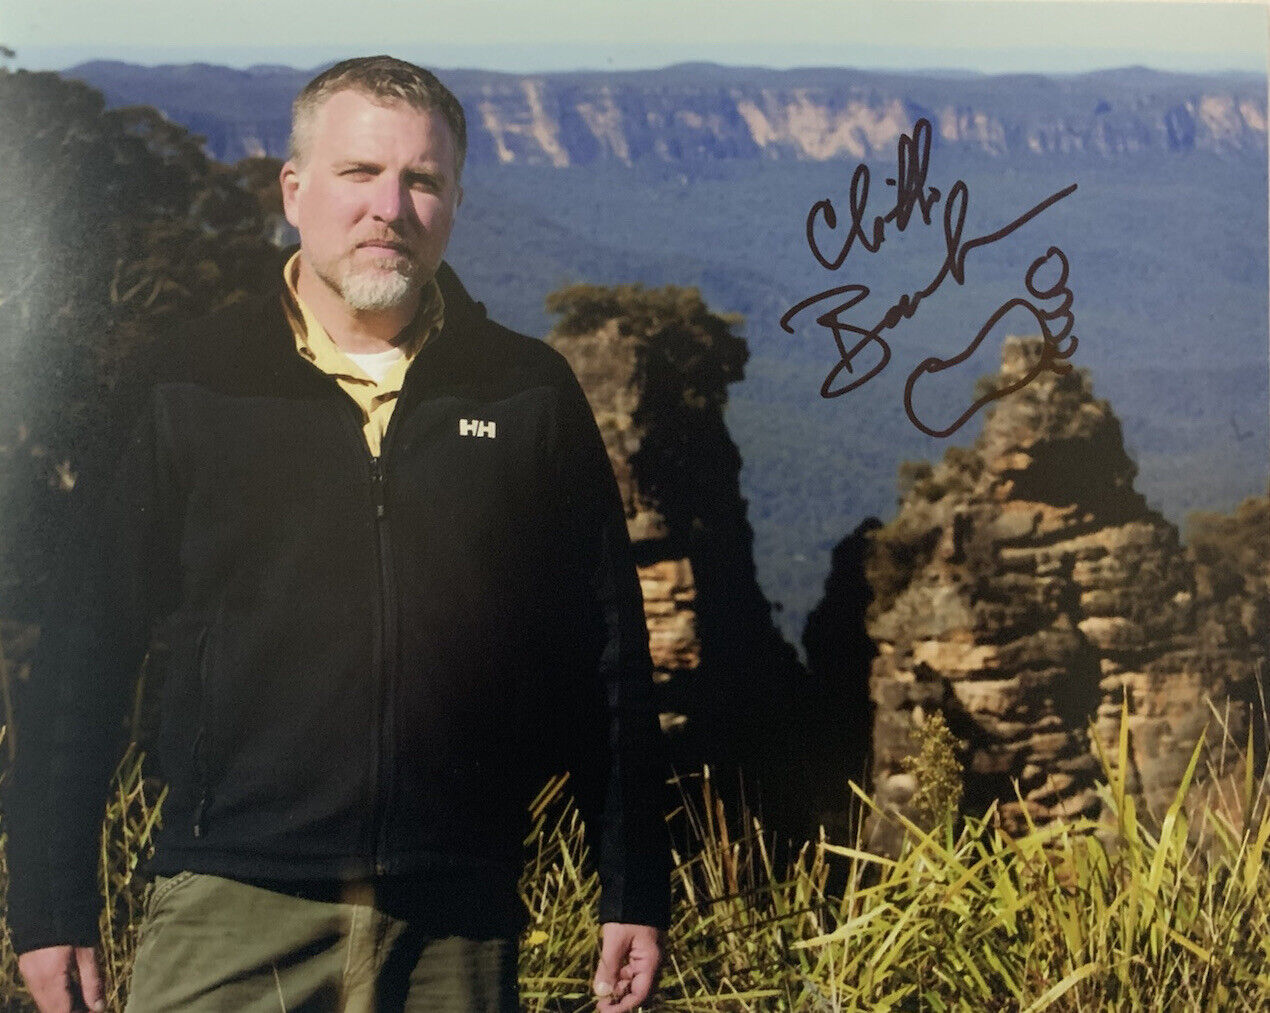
62, 60
542, 36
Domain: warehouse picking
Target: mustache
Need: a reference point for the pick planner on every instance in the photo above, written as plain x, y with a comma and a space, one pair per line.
395, 242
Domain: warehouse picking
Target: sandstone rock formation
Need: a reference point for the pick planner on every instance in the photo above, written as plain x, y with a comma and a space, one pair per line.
1025, 588
655, 365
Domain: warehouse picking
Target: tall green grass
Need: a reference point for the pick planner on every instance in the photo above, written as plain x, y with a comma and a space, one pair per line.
1123, 913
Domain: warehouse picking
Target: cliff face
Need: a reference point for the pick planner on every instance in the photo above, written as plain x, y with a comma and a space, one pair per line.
698, 112
1025, 589
541, 121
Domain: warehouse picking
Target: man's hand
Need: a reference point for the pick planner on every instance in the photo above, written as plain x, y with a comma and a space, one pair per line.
50, 974
630, 956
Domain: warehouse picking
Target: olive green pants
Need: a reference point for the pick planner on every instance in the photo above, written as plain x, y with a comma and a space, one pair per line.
210, 944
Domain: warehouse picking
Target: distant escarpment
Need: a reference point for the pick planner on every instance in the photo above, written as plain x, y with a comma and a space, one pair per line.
655, 365
702, 112
1029, 593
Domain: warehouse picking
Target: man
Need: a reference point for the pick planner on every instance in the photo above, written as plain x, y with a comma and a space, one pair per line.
387, 555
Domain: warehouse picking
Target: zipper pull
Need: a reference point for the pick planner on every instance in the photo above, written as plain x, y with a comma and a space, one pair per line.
377, 487
198, 816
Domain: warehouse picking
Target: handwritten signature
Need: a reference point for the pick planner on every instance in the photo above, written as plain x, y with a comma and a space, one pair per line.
914, 196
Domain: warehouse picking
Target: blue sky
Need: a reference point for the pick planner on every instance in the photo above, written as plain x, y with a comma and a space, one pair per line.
539, 35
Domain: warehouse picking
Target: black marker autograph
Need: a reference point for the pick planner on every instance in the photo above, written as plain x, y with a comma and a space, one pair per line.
913, 195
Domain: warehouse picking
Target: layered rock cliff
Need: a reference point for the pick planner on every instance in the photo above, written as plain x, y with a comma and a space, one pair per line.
558, 122
1026, 590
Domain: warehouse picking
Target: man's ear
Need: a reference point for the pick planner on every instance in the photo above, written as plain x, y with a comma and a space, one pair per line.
289, 177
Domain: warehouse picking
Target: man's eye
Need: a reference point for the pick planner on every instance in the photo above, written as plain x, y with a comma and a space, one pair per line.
357, 173
425, 183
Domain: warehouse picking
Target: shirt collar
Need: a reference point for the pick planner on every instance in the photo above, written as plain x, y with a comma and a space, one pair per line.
316, 345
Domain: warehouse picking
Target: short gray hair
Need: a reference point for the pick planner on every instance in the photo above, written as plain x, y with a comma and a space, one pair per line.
378, 77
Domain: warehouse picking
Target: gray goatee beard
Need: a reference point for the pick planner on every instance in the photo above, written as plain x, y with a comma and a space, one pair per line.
380, 285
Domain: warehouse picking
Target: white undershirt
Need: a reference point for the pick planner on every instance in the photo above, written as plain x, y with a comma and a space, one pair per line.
376, 364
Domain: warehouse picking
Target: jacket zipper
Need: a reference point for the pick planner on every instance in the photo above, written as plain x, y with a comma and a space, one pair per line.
384, 656
389, 652
390, 633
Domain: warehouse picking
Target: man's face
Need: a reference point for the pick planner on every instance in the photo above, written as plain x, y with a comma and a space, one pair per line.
375, 199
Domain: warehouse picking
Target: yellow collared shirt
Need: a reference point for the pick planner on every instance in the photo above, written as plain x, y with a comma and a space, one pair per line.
375, 398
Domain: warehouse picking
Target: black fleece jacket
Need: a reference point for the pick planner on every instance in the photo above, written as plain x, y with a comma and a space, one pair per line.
372, 663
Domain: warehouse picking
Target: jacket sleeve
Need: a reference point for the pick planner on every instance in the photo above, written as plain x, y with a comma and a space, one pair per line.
627, 765
70, 715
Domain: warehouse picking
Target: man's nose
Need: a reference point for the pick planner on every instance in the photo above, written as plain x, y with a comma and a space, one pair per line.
390, 198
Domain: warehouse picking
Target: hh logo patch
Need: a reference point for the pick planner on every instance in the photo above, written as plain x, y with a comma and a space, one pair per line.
476, 427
